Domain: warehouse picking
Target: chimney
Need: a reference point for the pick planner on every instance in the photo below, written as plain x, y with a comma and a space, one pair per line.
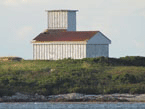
62, 19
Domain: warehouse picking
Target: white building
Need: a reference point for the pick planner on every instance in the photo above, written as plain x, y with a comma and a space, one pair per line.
61, 40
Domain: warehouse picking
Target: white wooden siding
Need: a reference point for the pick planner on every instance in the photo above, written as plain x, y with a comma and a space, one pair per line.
43, 52
50, 52
34, 51
62, 20
58, 51
75, 51
57, 20
38, 52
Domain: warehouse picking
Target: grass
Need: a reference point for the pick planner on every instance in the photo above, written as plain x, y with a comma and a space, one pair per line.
88, 76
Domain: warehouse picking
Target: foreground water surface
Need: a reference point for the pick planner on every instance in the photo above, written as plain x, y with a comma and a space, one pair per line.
72, 105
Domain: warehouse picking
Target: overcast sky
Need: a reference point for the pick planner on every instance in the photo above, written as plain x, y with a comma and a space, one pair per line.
122, 21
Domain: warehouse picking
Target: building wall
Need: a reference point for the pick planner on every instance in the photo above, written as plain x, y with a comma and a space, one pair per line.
58, 51
71, 21
57, 20
62, 20
99, 38
97, 50
98, 46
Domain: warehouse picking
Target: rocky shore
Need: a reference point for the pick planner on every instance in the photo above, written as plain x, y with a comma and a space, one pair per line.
74, 97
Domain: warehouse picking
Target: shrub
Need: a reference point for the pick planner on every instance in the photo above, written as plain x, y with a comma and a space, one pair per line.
90, 75
127, 78
138, 89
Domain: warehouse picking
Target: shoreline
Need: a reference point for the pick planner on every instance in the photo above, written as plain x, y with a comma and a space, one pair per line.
74, 98
77, 102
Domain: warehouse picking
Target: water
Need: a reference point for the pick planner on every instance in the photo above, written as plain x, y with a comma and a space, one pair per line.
63, 105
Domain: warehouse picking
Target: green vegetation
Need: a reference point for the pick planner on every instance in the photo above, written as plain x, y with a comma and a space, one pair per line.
89, 76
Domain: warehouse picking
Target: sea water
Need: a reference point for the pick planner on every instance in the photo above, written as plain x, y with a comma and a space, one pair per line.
71, 105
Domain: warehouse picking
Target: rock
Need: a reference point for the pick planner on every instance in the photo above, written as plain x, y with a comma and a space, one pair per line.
140, 97
73, 96
90, 97
39, 97
36, 94
19, 96
43, 97
1, 100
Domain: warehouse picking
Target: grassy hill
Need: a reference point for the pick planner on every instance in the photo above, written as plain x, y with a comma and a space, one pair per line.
88, 76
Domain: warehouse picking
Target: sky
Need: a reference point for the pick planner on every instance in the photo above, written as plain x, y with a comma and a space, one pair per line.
122, 21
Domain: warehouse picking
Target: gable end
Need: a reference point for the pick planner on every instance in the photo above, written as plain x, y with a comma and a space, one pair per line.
99, 38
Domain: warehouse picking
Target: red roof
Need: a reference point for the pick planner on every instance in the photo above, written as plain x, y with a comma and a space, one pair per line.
55, 35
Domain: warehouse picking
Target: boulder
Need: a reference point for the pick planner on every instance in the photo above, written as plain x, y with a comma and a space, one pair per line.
73, 96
